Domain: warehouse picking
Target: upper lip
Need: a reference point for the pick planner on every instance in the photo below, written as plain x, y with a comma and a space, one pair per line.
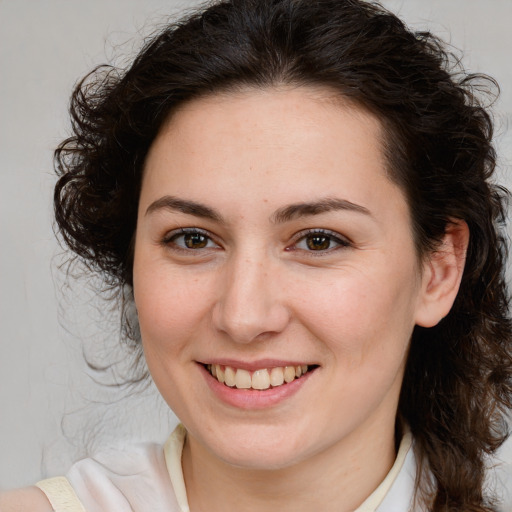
252, 366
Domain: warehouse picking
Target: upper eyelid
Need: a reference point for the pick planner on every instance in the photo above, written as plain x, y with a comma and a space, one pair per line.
186, 230
168, 236
333, 234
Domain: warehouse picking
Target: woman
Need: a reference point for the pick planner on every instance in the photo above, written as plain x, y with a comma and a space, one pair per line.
296, 196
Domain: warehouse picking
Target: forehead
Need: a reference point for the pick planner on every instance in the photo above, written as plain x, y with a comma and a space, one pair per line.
267, 110
279, 136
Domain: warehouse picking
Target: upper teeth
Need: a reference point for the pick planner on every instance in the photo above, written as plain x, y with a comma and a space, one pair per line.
259, 379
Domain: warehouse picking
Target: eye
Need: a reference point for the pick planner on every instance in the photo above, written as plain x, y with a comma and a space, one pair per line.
319, 240
189, 239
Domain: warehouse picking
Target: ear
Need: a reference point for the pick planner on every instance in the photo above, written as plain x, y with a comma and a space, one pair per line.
442, 274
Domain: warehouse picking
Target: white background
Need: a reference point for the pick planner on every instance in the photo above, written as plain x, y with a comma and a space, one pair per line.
50, 408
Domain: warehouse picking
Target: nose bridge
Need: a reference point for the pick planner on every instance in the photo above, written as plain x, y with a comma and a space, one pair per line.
250, 303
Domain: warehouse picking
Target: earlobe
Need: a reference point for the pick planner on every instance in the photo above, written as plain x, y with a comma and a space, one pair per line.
442, 274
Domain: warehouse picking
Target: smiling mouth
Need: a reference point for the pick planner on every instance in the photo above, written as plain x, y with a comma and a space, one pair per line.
265, 378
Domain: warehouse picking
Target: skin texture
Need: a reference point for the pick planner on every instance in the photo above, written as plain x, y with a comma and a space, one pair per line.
29, 499
255, 291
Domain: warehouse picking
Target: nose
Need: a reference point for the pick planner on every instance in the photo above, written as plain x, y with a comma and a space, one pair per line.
250, 305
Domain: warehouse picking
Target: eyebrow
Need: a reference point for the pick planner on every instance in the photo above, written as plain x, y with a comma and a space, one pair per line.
184, 206
328, 204
282, 215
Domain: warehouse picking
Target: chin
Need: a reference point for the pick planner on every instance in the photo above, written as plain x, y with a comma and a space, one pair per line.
256, 459
260, 448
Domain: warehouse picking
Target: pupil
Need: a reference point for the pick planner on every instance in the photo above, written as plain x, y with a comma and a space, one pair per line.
318, 242
195, 241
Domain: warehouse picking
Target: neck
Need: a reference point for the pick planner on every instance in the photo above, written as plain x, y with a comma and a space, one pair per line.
337, 479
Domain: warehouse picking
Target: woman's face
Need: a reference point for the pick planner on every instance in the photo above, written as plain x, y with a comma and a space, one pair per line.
269, 238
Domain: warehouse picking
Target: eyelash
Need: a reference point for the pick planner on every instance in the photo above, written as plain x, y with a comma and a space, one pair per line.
331, 236
170, 240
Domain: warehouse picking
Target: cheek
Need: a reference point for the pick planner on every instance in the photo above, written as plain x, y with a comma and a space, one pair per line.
358, 318
169, 308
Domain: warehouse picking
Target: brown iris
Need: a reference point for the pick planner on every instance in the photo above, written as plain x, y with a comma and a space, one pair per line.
195, 240
318, 242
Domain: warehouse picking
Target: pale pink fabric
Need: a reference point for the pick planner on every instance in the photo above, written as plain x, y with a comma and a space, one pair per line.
134, 481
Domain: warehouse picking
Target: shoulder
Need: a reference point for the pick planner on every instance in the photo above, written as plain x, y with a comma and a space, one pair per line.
29, 499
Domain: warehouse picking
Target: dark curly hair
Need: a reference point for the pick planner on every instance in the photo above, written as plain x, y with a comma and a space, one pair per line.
457, 384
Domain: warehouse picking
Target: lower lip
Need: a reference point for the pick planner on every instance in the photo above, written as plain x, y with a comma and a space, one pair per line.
253, 398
